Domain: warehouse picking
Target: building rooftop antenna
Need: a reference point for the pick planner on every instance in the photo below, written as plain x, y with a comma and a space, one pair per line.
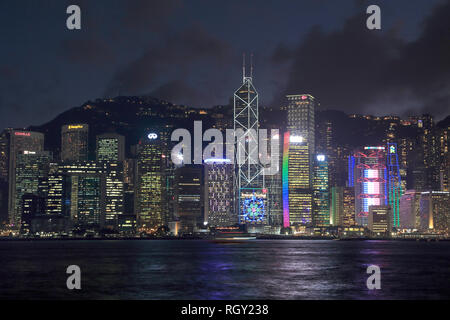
243, 67
251, 65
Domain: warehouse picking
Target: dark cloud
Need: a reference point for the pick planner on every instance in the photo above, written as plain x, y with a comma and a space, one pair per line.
176, 91
144, 15
166, 66
360, 70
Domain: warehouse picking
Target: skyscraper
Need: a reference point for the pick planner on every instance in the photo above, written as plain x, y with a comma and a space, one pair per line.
410, 210
110, 150
342, 209
434, 211
149, 188
87, 192
58, 195
370, 177
321, 211
394, 183
219, 193
379, 220
31, 175
249, 184
300, 118
18, 142
110, 147
298, 160
297, 183
189, 193
74, 142
114, 193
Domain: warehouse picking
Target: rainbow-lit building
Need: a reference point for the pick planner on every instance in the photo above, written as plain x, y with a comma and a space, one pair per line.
297, 184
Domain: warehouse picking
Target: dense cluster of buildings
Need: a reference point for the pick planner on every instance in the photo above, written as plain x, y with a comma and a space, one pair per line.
398, 186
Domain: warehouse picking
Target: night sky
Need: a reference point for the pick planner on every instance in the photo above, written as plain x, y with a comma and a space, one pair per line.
190, 52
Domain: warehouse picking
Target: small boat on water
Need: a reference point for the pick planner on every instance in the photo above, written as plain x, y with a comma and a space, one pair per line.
232, 235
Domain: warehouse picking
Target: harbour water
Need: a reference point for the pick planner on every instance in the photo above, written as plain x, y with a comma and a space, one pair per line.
197, 269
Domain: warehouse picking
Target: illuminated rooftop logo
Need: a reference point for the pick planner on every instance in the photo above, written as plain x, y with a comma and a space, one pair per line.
152, 136
296, 139
76, 126
25, 134
320, 157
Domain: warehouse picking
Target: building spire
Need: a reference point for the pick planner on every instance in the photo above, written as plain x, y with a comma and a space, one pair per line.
243, 67
251, 65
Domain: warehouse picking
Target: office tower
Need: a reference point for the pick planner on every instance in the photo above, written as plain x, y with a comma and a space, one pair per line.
336, 206
4, 154
87, 192
33, 205
58, 195
74, 142
114, 193
219, 193
110, 147
394, 183
249, 184
369, 179
342, 206
417, 178
428, 150
15, 142
300, 118
434, 211
297, 184
110, 151
149, 188
189, 203
298, 160
348, 218
274, 189
410, 210
444, 158
405, 151
31, 175
379, 220
321, 211
4, 167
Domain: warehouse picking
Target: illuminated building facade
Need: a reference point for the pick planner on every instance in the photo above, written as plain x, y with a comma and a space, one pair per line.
342, 206
370, 178
410, 210
110, 147
219, 193
434, 211
31, 177
87, 192
297, 184
300, 118
394, 183
379, 220
16, 142
189, 193
74, 142
321, 211
149, 188
58, 195
114, 193
32, 205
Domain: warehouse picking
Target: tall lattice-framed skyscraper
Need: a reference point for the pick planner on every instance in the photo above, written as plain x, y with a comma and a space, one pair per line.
249, 186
